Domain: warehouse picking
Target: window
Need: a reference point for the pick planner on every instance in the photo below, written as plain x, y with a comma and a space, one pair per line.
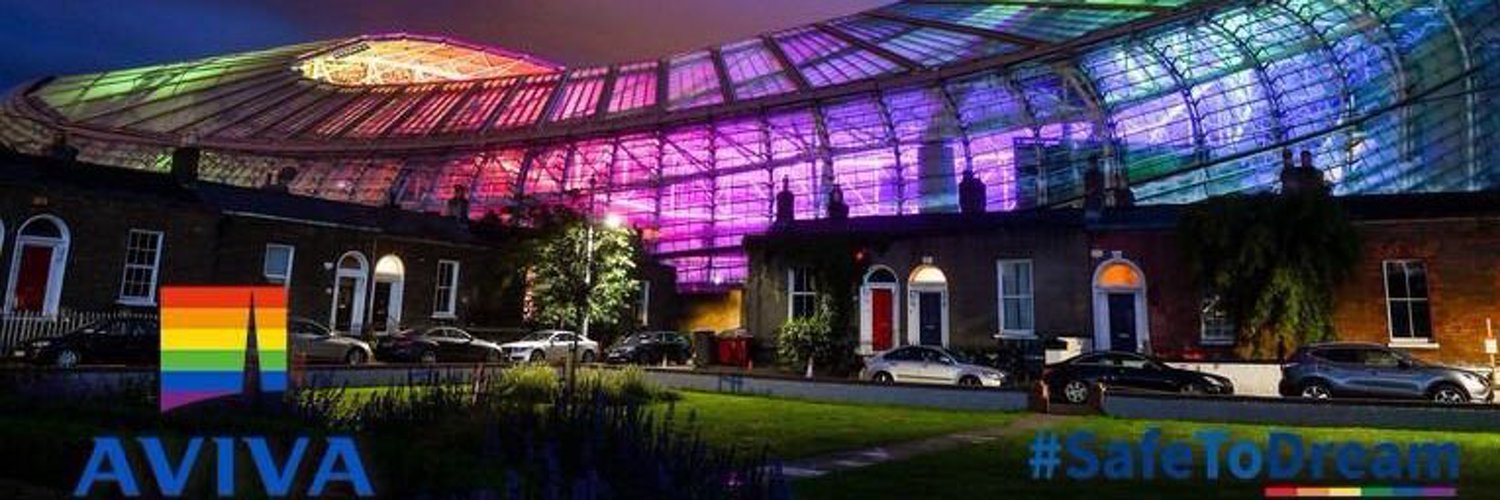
445, 302
1406, 300
1215, 326
278, 263
802, 293
643, 302
142, 258
1016, 299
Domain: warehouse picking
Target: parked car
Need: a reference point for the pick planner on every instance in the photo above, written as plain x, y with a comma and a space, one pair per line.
436, 344
550, 345
314, 343
1073, 380
650, 348
928, 365
126, 341
1350, 369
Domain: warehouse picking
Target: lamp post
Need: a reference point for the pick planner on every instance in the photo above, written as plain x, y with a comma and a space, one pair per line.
611, 221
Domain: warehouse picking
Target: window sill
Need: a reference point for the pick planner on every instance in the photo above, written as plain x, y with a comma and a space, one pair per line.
1216, 342
1412, 344
444, 316
136, 302
1015, 335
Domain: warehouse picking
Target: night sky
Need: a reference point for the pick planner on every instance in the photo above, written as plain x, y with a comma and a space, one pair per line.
59, 37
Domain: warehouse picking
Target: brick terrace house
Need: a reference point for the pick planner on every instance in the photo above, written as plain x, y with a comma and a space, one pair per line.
1111, 277
80, 237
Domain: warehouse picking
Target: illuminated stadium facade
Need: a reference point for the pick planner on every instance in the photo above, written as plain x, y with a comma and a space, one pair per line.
1181, 100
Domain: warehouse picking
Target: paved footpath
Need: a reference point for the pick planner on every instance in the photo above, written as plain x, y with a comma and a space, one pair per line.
854, 459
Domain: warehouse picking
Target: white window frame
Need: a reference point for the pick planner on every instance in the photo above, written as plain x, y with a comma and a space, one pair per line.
1006, 330
150, 298
1218, 336
446, 309
291, 259
1390, 326
792, 294
643, 316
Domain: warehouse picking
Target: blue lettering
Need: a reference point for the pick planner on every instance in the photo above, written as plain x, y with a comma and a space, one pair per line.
1386, 464
224, 480
341, 450
1149, 447
107, 449
1177, 460
276, 480
1281, 466
1117, 462
1088, 463
1348, 460
1244, 459
170, 479
1211, 440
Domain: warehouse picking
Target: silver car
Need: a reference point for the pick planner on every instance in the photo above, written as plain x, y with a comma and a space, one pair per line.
312, 342
1365, 370
550, 346
928, 365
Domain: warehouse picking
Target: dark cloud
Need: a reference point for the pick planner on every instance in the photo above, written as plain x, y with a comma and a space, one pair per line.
47, 37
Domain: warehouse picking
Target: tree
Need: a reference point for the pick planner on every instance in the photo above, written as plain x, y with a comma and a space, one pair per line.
1274, 261
558, 255
810, 341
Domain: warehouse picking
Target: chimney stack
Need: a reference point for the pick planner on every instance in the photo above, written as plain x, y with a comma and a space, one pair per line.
785, 206
837, 209
971, 194
185, 166
1093, 190
458, 205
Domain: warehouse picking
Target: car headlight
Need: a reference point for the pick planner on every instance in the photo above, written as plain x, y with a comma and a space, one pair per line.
994, 375
41, 343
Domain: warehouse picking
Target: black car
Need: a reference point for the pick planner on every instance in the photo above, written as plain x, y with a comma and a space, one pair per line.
438, 344
650, 348
127, 341
1072, 380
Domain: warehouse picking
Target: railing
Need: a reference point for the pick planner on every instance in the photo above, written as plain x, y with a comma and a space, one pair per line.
18, 327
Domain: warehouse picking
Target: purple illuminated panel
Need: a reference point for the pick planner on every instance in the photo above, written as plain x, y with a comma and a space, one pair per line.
826, 60
635, 88
692, 82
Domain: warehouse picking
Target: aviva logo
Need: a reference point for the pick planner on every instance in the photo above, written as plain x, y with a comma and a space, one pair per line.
221, 341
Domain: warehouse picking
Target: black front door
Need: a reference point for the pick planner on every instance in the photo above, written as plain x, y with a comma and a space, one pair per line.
1122, 322
930, 318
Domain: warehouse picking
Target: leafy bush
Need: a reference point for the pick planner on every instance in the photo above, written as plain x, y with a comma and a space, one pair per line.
529, 382
813, 338
626, 385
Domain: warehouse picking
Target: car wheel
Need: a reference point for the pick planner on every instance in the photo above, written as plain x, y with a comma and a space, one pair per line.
588, 357
538, 357
428, 358
68, 358
969, 381
883, 378
1076, 392
1448, 394
1316, 390
355, 357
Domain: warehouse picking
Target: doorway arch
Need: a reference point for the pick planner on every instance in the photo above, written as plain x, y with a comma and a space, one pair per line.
38, 265
1120, 322
927, 306
350, 284
390, 286
878, 310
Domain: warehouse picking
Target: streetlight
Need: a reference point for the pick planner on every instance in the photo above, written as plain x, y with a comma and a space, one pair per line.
611, 221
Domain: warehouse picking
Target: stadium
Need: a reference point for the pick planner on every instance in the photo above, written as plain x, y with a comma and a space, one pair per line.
1179, 100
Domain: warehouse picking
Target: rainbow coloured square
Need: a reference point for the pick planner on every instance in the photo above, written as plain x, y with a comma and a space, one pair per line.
206, 335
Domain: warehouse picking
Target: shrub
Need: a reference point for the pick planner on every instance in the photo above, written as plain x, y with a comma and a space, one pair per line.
812, 338
529, 382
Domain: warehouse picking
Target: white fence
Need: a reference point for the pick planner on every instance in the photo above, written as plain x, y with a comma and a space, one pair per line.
19, 327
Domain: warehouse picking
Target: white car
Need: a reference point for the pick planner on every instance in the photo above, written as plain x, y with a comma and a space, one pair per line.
550, 346
928, 365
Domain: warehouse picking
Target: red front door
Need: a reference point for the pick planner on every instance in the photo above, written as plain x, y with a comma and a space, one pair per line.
31, 280
880, 320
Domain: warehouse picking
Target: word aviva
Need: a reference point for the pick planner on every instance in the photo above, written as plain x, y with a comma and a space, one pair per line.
109, 464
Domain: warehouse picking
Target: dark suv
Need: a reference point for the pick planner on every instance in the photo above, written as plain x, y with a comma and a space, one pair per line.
1363, 370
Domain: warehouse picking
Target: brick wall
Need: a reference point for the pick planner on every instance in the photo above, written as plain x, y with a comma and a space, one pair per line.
1462, 258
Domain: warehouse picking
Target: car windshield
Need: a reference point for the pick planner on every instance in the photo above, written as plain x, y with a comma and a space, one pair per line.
633, 339
537, 337
959, 357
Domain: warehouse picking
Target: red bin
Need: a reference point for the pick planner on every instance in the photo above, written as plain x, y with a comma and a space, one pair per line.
733, 351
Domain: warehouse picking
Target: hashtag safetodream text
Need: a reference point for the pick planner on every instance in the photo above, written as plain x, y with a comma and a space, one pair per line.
1213, 453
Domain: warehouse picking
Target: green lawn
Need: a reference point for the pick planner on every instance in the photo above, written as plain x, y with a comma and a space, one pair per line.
798, 428
999, 469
